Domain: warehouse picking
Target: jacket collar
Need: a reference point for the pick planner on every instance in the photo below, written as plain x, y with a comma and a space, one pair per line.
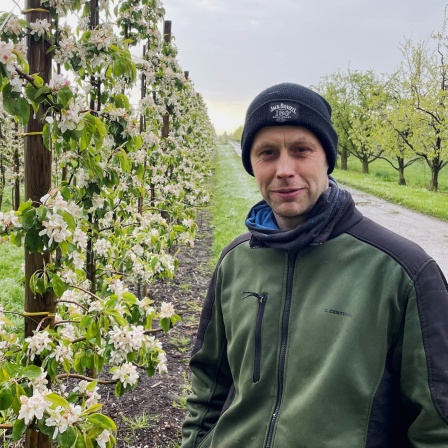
333, 214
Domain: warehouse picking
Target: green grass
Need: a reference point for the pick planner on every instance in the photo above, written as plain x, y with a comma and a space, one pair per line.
382, 182
234, 193
11, 282
417, 175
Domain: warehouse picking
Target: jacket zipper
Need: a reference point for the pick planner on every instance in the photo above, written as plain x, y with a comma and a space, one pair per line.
283, 344
262, 298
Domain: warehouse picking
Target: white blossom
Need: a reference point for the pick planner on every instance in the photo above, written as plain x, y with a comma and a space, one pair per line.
161, 366
38, 343
31, 407
13, 26
62, 353
16, 82
91, 395
118, 287
69, 276
97, 201
40, 27
67, 331
40, 383
56, 229
61, 418
166, 310
54, 202
127, 374
80, 238
7, 57
102, 246
9, 219
70, 118
78, 259
127, 339
103, 438
57, 82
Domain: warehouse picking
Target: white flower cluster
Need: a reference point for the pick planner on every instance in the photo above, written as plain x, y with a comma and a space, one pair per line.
13, 26
127, 339
39, 342
58, 82
126, 373
7, 57
61, 418
62, 352
92, 396
33, 406
56, 229
102, 246
166, 310
118, 287
162, 363
40, 384
66, 50
9, 220
40, 27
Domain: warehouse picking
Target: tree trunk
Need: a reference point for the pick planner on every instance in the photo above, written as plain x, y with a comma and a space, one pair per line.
434, 182
401, 179
344, 159
435, 166
365, 165
37, 160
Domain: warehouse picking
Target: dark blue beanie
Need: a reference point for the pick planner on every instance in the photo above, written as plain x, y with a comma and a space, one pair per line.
289, 104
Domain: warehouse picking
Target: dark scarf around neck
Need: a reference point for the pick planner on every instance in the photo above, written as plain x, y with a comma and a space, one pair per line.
330, 206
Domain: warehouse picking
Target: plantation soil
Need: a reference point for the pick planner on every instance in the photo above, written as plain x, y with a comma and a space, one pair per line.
151, 416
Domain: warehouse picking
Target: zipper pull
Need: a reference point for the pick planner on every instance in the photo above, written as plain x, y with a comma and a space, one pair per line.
261, 297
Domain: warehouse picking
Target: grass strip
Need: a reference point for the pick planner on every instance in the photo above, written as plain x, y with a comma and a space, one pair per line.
234, 192
415, 198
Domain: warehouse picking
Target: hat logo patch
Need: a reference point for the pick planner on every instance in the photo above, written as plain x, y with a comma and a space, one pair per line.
282, 112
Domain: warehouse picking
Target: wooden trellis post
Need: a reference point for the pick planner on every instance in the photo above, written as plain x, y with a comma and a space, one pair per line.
167, 39
94, 107
16, 157
37, 161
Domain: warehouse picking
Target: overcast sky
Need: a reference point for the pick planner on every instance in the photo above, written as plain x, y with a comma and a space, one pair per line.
235, 48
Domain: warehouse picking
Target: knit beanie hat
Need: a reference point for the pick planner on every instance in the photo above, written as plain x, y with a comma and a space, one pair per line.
289, 104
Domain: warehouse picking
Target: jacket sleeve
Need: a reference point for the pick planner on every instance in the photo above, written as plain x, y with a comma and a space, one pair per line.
424, 367
211, 376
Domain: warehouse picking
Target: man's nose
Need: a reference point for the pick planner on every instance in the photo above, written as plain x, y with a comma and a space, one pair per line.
285, 165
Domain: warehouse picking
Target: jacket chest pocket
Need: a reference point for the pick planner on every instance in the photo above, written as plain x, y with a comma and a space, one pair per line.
261, 299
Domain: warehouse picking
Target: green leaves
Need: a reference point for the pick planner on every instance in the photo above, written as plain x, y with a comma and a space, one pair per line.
18, 430
59, 287
68, 438
15, 104
32, 372
6, 398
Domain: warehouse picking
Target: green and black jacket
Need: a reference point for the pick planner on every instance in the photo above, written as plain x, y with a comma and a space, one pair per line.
338, 345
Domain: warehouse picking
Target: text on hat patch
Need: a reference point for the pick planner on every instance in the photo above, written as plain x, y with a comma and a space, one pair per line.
281, 112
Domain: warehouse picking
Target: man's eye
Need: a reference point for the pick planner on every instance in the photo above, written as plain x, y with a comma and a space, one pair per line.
267, 153
301, 151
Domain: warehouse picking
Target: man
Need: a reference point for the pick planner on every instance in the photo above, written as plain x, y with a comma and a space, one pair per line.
321, 329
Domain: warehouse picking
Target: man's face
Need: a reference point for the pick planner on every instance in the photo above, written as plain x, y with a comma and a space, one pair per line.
290, 166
